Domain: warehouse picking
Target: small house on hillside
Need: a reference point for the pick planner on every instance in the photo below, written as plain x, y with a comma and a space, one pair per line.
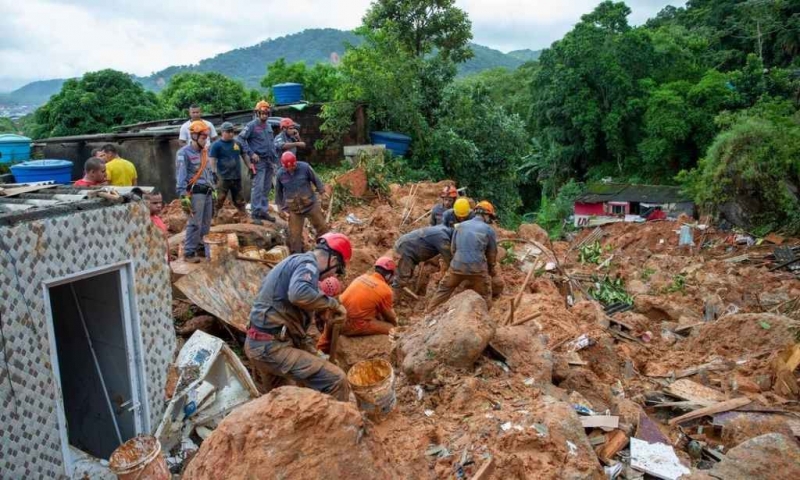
618, 202
87, 332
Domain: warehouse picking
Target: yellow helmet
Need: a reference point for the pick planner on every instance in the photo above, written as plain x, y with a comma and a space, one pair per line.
461, 208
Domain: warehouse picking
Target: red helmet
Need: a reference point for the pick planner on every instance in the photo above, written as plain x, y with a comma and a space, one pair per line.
337, 243
449, 191
286, 122
386, 263
331, 286
288, 160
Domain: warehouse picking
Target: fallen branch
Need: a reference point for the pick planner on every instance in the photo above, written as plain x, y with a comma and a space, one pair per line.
517, 299
408, 291
527, 319
330, 204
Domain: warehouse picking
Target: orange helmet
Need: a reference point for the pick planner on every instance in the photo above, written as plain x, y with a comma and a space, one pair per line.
287, 122
449, 191
198, 126
262, 105
486, 207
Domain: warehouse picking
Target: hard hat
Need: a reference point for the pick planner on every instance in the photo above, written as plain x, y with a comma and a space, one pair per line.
287, 122
262, 105
198, 126
337, 243
461, 208
288, 160
449, 191
226, 127
486, 207
331, 286
386, 263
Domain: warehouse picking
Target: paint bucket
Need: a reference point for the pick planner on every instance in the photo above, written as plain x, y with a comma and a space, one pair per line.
373, 385
139, 458
215, 244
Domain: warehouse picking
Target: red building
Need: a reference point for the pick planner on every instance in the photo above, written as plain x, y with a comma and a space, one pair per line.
617, 202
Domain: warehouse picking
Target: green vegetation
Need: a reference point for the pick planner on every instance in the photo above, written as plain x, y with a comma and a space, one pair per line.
211, 91
591, 253
95, 103
610, 290
678, 284
319, 82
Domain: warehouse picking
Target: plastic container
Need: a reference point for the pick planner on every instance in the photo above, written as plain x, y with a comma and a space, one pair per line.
50, 170
373, 385
397, 143
14, 148
286, 93
215, 245
139, 458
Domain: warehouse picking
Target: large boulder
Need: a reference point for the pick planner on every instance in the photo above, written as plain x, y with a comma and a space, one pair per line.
352, 350
526, 352
533, 232
455, 334
292, 433
766, 457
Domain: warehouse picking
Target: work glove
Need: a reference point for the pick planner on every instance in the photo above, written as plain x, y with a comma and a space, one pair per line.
186, 203
214, 195
339, 311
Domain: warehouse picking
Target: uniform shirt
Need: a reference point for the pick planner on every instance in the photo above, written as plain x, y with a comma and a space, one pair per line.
367, 298
288, 295
293, 190
436, 214
228, 155
449, 217
282, 139
187, 163
186, 137
425, 243
257, 138
120, 173
474, 248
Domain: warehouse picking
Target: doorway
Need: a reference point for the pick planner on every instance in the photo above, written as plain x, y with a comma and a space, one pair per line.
96, 352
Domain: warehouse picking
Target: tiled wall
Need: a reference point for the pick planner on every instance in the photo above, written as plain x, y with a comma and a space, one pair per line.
35, 252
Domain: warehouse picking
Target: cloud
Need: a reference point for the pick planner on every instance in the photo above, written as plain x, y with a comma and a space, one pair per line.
44, 39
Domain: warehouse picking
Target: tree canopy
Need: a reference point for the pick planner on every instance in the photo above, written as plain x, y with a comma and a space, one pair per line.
319, 82
214, 92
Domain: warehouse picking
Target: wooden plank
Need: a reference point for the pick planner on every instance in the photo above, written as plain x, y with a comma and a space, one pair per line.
720, 407
615, 441
686, 389
13, 192
486, 470
600, 421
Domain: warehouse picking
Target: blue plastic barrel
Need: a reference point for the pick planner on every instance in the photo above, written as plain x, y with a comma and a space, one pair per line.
14, 148
286, 93
397, 143
58, 171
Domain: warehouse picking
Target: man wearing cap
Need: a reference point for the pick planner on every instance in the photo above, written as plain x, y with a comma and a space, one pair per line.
295, 195
259, 145
289, 138
448, 196
277, 344
195, 187
195, 114
224, 155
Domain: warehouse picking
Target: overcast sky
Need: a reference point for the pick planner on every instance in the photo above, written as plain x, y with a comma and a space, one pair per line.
43, 39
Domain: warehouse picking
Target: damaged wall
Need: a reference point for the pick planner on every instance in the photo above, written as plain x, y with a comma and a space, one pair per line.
35, 252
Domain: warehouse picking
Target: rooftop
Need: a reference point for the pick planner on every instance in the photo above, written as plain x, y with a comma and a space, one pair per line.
621, 192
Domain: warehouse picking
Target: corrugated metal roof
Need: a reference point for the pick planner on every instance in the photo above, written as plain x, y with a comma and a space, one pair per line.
619, 192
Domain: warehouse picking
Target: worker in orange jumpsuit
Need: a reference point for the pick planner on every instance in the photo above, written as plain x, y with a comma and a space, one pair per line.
370, 305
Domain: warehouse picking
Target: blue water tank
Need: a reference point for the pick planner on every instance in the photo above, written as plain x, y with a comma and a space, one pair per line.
286, 93
14, 148
397, 143
58, 171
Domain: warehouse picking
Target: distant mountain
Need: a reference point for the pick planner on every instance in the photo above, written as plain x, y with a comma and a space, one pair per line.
526, 55
249, 64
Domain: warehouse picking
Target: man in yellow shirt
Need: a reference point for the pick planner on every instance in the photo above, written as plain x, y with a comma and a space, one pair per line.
120, 172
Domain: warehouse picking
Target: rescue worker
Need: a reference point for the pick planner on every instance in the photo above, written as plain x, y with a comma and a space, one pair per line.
289, 138
258, 143
296, 198
474, 248
370, 305
498, 285
461, 211
195, 188
277, 344
225, 155
418, 247
448, 196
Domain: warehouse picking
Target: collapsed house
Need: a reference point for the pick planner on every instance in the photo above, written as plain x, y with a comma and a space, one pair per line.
87, 334
616, 202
